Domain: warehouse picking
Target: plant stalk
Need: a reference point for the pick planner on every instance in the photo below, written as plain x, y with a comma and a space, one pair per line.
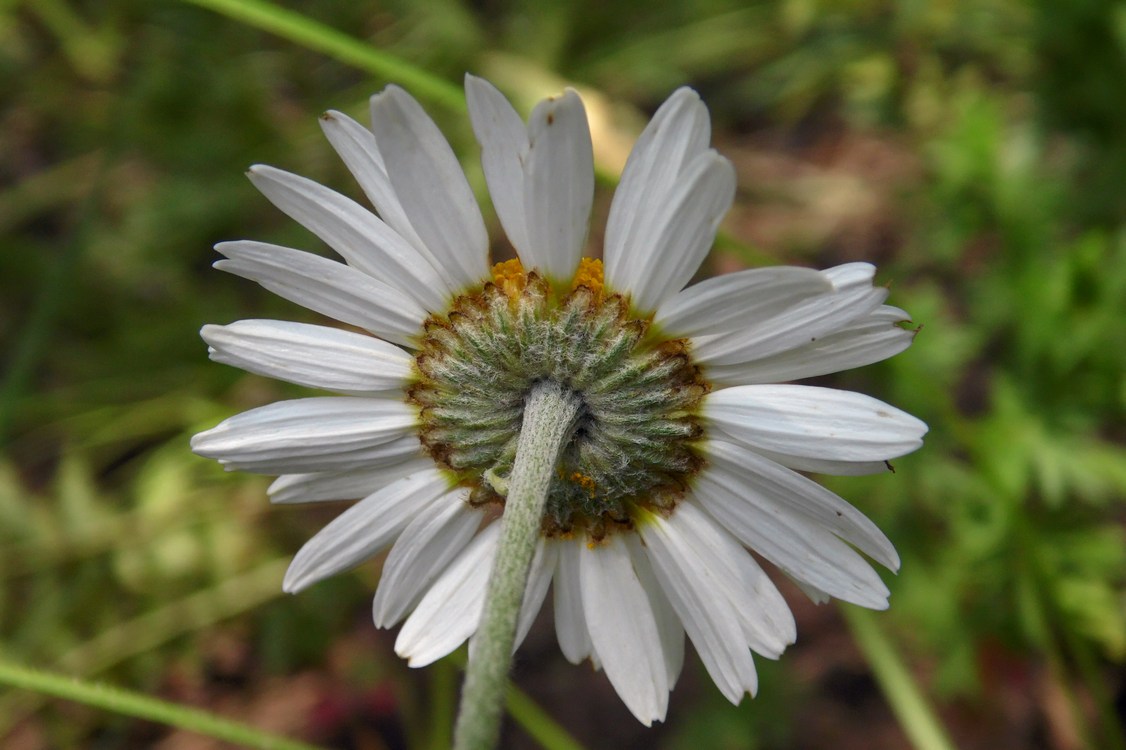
915, 713
550, 413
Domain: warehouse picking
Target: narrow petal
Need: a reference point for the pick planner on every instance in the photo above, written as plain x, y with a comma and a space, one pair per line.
308, 428
825, 466
423, 550
869, 339
623, 629
344, 485
813, 422
504, 146
789, 489
795, 326
309, 355
539, 578
674, 244
703, 606
767, 623
737, 300
816, 595
801, 548
364, 529
451, 610
327, 287
430, 185
356, 146
558, 186
570, 621
380, 455
668, 622
678, 133
358, 235
854, 275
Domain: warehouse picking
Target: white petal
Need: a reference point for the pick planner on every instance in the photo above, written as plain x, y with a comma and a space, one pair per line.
365, 528
703, 606
813, 422
304, 431
795, 326
678, 133
504, 145
869, 339
824, 466
558, 186
768, 625
539, 578
674, 244
451, 610
570, 622
431, 186
344, 485
668, 622
356, 146
309, 355
423, 551
851, 275
736, 300
623, 629
381, 455
358, 235
816, 595
800, 547
789, 489
327, 287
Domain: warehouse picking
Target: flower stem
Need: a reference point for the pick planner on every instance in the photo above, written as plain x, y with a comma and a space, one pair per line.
550, 413
143, 707
915, 714
311, 34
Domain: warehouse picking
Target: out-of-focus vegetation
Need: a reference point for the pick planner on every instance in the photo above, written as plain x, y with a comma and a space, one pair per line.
973, 148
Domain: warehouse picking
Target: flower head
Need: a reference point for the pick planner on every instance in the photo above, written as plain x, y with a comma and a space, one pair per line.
686, 451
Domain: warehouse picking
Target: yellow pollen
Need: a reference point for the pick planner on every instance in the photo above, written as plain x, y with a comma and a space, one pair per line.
587, 483
510, 277
589, 274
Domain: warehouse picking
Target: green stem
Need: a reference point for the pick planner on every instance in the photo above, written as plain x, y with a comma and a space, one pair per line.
316, 36
535, 722
143, 707
443, 688
912, 709
539, 726
153, 629
550, 413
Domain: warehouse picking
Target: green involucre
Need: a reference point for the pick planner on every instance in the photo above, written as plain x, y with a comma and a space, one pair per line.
632, 442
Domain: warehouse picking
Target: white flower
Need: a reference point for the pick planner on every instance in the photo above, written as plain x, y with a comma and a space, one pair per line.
688, 451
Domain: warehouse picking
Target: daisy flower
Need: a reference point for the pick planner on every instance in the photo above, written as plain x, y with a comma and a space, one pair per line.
687, 450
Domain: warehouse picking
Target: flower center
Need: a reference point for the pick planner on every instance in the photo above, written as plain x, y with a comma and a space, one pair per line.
632, 445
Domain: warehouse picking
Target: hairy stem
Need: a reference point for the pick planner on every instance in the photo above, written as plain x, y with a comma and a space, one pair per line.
550, 413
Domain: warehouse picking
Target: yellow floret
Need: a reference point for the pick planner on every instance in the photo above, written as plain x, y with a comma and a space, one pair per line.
510, 277
589, 274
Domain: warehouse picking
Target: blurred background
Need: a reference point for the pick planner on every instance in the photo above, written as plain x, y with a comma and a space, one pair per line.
974, 149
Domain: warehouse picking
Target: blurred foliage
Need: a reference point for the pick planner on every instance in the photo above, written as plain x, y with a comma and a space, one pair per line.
124, 126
